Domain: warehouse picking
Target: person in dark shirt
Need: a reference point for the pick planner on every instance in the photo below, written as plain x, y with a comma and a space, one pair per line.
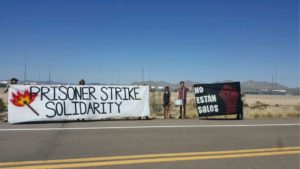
240, 115
166, 102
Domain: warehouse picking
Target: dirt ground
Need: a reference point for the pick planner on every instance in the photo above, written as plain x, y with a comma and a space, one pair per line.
250, 99
256, 106
273, 99
3, 96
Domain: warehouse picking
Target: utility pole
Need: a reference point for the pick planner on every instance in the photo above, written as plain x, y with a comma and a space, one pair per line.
276, 75
49, 75
25, 71
272, 88
149, 72
143, 75
39, 77
118, 83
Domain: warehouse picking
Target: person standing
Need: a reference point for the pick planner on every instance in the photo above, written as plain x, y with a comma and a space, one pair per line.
166, 101
240, 115
182, 94
12, 82
81, 82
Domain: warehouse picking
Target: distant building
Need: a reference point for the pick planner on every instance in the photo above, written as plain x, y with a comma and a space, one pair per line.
279, 91
160, 88
3, 82
264, 90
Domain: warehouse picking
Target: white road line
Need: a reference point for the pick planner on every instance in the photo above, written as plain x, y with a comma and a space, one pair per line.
149, 127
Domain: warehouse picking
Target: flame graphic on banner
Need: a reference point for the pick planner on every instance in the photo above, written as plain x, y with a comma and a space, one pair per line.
230, 96
22, 99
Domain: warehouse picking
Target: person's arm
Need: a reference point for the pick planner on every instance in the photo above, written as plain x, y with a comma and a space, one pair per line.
178, 93
185, 92
6, 89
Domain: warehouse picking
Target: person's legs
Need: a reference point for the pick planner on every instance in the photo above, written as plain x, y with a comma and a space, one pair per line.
167, 111
242, 115
238, 116
180, 112
184, 107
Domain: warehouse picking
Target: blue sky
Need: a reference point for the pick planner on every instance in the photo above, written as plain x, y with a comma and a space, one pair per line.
106, 40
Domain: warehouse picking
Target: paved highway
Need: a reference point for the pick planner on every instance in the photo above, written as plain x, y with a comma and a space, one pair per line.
267, 143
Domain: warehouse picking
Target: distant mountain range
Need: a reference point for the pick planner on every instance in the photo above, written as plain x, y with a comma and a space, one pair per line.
245, 85
250, 86
262, 85
258, 86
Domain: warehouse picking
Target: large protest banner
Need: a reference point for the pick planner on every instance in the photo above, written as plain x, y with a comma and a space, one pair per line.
29, 103
218, 99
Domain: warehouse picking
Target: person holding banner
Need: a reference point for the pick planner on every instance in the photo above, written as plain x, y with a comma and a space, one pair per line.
166, 102
81, 82
12, 81
240, 115
182, 94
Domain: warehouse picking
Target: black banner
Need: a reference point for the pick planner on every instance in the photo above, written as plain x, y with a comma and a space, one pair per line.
218, 99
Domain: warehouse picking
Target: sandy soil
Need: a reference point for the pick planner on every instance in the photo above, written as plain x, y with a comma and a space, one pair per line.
272, 106
277, 106
3, 95
251, 99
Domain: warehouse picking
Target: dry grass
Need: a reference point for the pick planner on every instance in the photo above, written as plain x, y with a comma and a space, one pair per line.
273, 99
255, 106
297, 107
156, 107
272, 112
270, 106
3, 96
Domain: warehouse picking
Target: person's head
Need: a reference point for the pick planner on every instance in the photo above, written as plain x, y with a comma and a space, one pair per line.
182, 84
242, 94
167, 88
81, 82
14, 81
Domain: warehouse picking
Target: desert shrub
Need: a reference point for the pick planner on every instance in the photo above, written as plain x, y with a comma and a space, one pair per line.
297, 107
191, 109
2, 106
256, 115
259, 105
246, 104
155, 102
192, 103
270, 115
293, 114
280, 115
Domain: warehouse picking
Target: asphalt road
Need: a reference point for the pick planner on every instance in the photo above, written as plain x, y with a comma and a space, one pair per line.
195, 144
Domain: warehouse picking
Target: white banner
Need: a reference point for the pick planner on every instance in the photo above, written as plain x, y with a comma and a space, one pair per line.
29, 103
